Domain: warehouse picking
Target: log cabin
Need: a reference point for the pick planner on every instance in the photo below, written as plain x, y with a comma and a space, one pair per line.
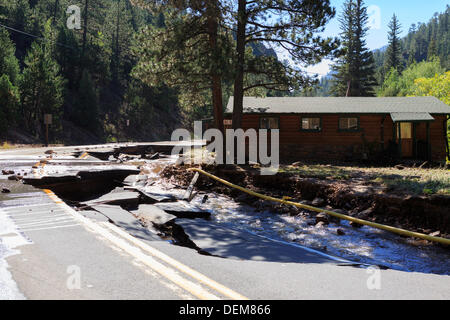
351, 128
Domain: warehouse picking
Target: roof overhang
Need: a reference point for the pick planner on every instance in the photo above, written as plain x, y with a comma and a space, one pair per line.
411, 116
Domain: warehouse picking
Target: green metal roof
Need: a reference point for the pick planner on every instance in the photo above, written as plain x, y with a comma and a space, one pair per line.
355, 105
411, 116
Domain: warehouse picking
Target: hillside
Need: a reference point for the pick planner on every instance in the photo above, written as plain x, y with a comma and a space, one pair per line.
423, 41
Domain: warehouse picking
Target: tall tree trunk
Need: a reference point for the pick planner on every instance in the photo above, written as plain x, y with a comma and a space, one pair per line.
55, 11
216, 80
238, 105
83, 48
117, 48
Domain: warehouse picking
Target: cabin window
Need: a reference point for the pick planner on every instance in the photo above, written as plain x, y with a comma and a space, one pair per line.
269, 123
311, 124
349, 124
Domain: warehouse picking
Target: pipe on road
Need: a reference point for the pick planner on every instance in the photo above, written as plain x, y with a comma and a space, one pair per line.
331, 213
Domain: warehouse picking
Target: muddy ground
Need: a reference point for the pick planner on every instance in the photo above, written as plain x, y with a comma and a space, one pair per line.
356, 197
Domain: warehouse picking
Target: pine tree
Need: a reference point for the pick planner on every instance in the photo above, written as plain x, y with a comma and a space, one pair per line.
9, 77
9, 102
354, 72
432, 50
9, 64
86, 113
393, 58
20, 18
41, 86
120, 31
190, 53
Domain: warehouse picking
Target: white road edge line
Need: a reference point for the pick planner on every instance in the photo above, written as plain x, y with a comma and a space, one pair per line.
59, 227
19, 207
38, 218
49, 223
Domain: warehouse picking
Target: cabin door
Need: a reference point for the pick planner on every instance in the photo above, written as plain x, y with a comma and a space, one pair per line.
405, 135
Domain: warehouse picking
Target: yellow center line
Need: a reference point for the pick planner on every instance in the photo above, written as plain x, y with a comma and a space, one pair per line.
183, 268
170, 274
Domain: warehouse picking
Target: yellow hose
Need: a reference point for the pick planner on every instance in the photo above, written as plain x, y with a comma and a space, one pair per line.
331, 213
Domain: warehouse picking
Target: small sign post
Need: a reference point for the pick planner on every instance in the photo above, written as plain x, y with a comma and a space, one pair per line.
47, 122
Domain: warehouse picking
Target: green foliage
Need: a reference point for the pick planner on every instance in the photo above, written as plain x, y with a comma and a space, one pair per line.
437, 86
293, 25
403, 85
9, 77
191, 55
423, 42
179, 55
41, 86
9, 64
86, 113
9, 103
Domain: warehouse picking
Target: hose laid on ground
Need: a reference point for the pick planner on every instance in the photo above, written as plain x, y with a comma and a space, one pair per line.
331, 213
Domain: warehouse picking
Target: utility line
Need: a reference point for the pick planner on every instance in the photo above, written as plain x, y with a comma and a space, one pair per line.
36, 37
93, 34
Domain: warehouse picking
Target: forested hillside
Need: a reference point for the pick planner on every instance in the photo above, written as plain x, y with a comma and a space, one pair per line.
423, 42
79, 75
422, 53
83, 75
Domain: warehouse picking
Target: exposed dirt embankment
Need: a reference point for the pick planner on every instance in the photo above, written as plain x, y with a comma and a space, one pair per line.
363, 199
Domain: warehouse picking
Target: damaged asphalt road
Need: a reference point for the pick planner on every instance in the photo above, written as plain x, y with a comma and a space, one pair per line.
110, 187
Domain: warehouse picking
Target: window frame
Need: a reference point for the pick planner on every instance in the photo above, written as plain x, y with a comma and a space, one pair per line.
311, 117
358, 124
269, 116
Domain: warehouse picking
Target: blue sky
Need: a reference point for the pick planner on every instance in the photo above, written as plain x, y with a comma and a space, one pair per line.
407, 11
381, 11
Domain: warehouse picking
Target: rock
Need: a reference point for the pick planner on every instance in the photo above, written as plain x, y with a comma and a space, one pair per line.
153, 156
355, 224
49, 152
151, 214
294, 211
393, 210
399, 167
320, 224
435, 234
242, 198
6, 190
259, 204
6, 172
365, 214
306, 202
340, 232
15, 178
318, 202
322, 217
297, 164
